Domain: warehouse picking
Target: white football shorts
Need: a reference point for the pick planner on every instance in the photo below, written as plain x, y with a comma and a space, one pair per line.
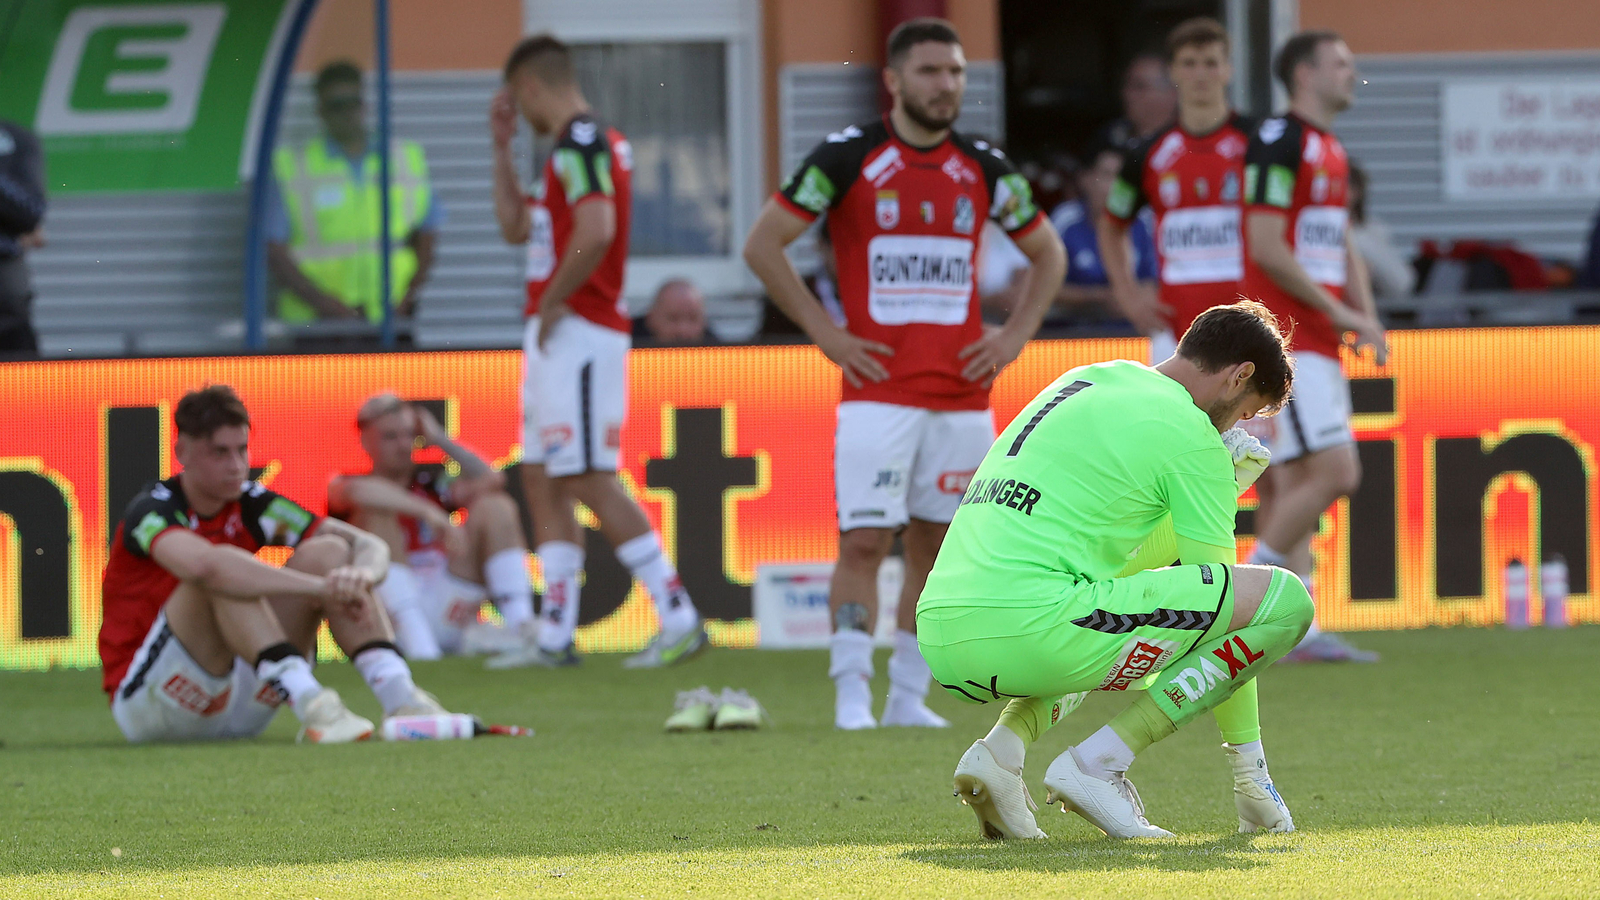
574, 396
166, 696
1317, 416
894, 463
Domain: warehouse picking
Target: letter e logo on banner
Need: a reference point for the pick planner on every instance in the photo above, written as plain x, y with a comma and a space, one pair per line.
103, 77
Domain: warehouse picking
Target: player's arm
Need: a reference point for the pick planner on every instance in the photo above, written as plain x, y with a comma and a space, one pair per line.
368, 552
775, 229
1139, 301
584, 171
1012, 207
228, 570
474, 470
376, 494
510, 204
1358, 285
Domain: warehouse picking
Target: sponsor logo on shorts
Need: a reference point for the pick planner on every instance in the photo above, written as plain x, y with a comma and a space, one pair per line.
955, 482
193, 697
1140, 657
1019, 495
462, 612
888, 478
1196, 682
1055, 712
554, 437
271, 695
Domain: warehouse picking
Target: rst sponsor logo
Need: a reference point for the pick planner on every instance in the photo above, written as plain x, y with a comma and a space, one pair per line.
193, 697
924, 279
1139, 657
955, 482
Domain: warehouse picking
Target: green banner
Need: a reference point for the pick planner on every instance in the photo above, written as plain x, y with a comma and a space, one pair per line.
139, 96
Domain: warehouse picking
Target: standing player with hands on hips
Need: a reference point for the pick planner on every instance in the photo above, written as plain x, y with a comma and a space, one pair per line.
1301, 264
575, 353
1191, 174
905, 199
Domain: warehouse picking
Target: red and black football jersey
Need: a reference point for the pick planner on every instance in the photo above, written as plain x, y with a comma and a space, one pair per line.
1194, 185
591, 161
1295, 168
431, 482
135, 586
905, 223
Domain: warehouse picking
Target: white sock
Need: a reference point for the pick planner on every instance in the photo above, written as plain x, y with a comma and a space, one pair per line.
908, 671
850, 667
1263, 555
401, 594
1007, 746
387, 674
1252, 750
644, 558
292, 676
562, 562
506, 574
1103, 753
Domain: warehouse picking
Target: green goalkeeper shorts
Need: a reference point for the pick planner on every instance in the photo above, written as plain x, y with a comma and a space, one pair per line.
1094, 636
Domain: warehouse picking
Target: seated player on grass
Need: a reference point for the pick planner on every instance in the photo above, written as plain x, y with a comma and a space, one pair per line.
437, 580
1044, 589
199, 639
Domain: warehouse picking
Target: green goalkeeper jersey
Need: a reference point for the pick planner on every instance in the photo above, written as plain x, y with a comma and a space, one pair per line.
1076, 484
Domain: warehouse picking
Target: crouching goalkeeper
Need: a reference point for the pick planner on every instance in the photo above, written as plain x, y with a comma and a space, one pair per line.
1047, 586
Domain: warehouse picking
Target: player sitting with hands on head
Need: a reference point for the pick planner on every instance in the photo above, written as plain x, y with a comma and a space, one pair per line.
441, 574
200, 639
1094, 550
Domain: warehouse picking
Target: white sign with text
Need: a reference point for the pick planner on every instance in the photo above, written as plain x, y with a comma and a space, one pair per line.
790, 602
1516, 140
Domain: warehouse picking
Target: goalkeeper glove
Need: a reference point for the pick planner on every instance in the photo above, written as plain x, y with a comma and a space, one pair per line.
1250, 458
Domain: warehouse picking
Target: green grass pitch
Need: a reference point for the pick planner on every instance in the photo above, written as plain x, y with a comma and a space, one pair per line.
1466, 764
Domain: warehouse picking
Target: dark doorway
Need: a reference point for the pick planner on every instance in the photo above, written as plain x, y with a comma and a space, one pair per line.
1064, 61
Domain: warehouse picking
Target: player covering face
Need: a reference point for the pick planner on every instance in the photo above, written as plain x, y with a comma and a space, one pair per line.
1094, 551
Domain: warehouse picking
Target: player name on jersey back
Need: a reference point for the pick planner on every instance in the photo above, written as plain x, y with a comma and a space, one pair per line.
919, 279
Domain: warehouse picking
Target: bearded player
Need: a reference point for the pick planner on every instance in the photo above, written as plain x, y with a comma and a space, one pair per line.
1301, 264
905, 198
199, 639
1044, 588
1191, 175
574, 225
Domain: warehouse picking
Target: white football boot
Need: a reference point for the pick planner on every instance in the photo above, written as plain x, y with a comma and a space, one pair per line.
329, 721
997, 795
421, 703
1112, 806
1260, 807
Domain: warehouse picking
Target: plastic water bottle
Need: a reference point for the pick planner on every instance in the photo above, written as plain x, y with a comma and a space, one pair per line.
1516, 595
1553, 585
450, 726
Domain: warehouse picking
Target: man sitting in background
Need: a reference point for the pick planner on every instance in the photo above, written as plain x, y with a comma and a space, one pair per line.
199, 639
676, 316
1086, 293
322, 224
442, 573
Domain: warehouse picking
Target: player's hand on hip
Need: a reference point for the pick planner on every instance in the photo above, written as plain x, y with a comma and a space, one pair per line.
549, 317
854, 356
989, 355
1250, 456
1371, 334
1146, 312
502, 117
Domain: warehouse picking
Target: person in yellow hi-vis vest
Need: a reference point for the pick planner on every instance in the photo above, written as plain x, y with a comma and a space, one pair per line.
322, 221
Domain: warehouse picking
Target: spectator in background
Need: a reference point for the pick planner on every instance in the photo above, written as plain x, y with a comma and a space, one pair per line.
676, 316
1086, 294
1149, 102
322, 231
22, 206
1392, 274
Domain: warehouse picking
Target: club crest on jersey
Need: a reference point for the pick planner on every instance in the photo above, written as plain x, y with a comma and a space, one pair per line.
1319, 187
926, 207
1170, 190
1230, 188
965, 218
888, 209
1202, 188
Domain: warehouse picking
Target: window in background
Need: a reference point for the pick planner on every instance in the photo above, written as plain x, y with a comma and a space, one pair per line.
670, 99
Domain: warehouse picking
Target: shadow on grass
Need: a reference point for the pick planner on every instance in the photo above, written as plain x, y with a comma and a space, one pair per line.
1235, 853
